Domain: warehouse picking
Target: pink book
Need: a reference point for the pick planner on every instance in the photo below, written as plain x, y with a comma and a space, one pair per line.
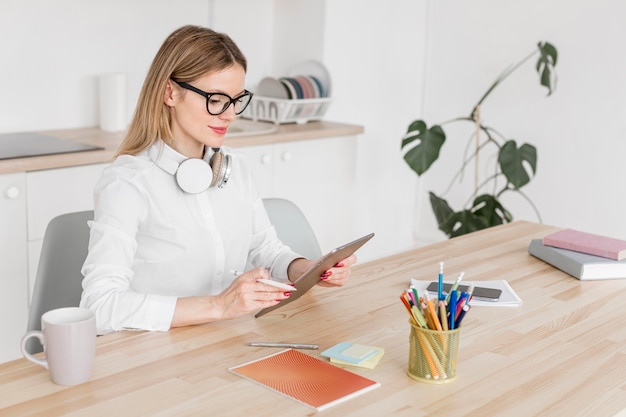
597, 245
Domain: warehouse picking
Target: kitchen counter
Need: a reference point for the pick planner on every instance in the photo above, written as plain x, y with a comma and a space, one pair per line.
110, 142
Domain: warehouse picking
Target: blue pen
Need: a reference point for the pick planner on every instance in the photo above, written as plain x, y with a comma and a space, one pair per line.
440, 283
452, 310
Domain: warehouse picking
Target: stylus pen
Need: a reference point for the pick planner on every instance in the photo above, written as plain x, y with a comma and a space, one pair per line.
283, 345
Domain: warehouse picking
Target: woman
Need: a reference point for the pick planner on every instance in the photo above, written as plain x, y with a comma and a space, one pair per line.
176, 212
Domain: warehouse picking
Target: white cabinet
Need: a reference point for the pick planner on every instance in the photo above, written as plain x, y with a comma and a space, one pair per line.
13, 283
318, 175
28, 202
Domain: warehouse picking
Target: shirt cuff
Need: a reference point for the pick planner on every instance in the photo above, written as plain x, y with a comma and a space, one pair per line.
280, 265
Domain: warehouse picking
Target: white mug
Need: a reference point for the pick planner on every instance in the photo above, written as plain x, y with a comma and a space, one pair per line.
68, 336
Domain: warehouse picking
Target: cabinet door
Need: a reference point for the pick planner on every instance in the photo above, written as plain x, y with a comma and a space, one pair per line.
13, 284
261, 159
51, 193
319, 176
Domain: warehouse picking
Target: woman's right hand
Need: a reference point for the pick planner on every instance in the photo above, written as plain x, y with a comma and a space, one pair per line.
245, 294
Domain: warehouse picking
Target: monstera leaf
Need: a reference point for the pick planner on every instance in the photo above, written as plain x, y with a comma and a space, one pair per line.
545, 65
511, 160
486, 211
421, 156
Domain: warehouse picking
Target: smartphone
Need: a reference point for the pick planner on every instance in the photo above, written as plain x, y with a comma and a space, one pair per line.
480, 293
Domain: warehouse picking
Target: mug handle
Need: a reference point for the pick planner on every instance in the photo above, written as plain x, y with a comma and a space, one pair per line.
39, 335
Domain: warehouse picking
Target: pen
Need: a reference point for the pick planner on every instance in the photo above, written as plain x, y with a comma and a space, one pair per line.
283, 345
465, 309
235, 272
453, 299
440, 283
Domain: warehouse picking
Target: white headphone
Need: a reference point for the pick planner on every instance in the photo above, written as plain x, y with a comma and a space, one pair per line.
195, 175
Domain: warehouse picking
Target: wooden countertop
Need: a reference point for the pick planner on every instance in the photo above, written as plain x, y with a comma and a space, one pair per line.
562, 353
110, 142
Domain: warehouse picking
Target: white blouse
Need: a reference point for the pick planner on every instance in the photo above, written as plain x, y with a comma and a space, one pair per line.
151, 242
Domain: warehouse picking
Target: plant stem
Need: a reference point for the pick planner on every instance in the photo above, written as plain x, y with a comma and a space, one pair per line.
525, 197
508, 71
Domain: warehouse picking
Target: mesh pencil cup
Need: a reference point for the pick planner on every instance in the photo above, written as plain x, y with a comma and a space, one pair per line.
433, 354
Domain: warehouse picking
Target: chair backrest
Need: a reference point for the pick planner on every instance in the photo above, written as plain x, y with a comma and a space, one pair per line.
58, 280
292, 227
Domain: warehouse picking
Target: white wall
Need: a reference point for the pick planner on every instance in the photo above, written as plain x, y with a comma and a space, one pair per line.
391, 62
577, 130
376, 58
52, 51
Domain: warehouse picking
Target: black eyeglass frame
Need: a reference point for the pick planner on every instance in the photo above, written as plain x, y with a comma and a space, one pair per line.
207, 96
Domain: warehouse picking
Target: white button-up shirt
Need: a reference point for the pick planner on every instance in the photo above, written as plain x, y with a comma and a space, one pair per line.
151, 242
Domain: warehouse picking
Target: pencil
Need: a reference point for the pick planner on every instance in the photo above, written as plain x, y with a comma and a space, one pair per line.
442, 315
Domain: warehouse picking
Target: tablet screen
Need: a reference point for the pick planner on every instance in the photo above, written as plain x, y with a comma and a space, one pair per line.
312, 276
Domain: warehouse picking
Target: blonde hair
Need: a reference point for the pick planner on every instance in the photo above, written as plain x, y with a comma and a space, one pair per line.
187, 54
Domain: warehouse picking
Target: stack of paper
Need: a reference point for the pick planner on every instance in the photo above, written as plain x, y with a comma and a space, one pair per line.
346, 353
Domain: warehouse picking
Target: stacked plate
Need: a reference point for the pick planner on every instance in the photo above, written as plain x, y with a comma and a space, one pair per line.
301, 96
307, 80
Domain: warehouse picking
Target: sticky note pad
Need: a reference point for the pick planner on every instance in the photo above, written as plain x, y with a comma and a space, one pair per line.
352, 353
359, 352
369, 363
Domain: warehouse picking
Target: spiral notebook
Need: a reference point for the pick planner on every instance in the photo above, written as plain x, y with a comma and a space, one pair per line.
304, 378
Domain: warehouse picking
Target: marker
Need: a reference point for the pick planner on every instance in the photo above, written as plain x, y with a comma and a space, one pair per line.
284, 345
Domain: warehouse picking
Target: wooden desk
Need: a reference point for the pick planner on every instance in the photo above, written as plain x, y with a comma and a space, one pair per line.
562, 354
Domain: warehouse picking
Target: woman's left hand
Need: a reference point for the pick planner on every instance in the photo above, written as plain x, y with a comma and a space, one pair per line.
339, 274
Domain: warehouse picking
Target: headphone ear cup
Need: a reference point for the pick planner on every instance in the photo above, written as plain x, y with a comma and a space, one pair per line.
217, 161
220, 164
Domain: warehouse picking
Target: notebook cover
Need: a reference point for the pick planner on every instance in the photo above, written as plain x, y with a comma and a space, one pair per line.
304, 378
597, 245
579, 265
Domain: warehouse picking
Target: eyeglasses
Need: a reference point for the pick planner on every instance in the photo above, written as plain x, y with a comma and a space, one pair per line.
218, 103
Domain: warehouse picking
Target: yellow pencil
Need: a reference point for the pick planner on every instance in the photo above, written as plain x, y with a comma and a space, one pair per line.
442, 315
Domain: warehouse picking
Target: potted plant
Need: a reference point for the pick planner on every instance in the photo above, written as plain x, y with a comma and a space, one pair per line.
514, 167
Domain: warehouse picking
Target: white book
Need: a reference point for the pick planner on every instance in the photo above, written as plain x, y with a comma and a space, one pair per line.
577, 264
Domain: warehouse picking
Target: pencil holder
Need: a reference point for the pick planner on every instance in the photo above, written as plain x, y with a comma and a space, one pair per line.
433, 354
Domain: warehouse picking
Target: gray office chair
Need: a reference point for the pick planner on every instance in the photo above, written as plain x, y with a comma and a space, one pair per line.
292, 227
58, 281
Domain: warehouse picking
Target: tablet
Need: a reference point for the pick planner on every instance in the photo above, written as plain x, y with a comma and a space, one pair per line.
312, 275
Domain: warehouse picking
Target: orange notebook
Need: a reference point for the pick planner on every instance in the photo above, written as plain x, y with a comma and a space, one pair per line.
306, 379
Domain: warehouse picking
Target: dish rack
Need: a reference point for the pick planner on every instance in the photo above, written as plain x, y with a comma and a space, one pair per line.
278, 111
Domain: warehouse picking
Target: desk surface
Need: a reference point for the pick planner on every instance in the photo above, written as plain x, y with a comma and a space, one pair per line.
563, 353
